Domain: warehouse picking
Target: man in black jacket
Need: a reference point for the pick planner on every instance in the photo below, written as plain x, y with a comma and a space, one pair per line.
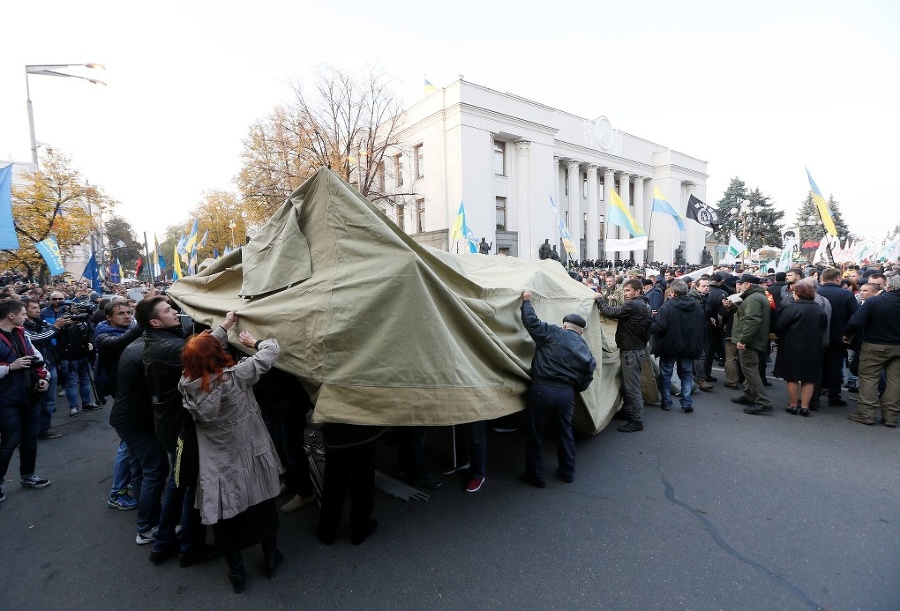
843, 306
562, 364
132, 418
878, 321
678, 336
163, 343
41, 334
632, 333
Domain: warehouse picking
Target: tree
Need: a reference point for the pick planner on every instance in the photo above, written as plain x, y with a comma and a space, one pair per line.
338, 121
215, 214
53, 200
810, 222
757, 227
120, 230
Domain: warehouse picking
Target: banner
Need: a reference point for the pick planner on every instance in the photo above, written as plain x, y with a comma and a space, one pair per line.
783, 263
49, 249
638, 243
735, 248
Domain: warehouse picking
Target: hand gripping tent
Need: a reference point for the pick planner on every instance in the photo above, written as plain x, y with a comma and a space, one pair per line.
383, 330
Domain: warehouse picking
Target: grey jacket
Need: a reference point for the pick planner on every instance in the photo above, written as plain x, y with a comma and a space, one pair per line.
239, 467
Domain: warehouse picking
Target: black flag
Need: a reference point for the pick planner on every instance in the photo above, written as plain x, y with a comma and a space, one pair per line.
703, 214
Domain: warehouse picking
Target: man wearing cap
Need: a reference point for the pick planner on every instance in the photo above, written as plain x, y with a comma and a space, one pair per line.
562, 364
750, 335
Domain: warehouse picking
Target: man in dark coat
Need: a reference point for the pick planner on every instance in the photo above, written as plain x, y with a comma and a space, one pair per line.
163, 343
562, 365
678, 337
843, 306
632, 333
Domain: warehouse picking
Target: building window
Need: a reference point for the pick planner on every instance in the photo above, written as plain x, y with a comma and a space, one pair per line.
501, 213
398, 169
379, 177
499, 158
420, 215
401, 216
420, 163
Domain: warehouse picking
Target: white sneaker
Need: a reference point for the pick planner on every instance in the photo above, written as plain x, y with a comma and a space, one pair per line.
146, 537
73, 412
298, 502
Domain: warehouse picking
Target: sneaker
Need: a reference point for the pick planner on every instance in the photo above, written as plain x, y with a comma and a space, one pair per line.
49, 434
705, 386
73, 412
631, 427
146, 537
89, 407
121, 501
451, 469
34, 481
687, 410
861, 419
298, 502
475, 484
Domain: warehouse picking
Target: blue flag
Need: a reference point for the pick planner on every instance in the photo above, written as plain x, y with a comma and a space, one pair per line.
8, 239
114, 273
92, 272
49, 249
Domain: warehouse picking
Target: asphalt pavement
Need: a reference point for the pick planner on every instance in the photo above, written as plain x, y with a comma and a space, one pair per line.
710, 510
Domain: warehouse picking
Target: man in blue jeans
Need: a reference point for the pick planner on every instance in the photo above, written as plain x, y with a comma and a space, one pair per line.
41, 334
562, 365
161, 359
678, 336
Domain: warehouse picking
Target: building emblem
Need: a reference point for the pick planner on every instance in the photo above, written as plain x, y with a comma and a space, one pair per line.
599, 134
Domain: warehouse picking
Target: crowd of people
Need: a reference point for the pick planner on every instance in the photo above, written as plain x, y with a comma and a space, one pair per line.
209, 437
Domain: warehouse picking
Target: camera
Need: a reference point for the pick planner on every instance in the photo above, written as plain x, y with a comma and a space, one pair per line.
79, 312
36, 363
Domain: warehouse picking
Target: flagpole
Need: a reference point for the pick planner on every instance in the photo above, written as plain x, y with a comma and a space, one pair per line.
147, 256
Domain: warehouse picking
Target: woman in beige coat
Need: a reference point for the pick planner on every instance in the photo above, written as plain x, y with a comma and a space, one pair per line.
239, 467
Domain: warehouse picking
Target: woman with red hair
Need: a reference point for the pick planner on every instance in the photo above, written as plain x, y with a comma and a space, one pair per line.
239, 467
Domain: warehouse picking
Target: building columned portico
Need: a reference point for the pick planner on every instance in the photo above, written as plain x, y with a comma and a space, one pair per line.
505, 157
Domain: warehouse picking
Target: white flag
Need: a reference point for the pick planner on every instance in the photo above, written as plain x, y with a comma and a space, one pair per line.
735, 248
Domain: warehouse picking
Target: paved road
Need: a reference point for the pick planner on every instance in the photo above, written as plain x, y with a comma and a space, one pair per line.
712, 510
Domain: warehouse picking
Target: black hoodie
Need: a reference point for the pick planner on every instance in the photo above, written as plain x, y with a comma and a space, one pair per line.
679, 329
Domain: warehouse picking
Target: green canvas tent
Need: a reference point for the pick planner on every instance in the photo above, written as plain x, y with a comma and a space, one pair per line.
383, 330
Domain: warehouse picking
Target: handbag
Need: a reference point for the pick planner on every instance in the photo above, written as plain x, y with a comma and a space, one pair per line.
187, 455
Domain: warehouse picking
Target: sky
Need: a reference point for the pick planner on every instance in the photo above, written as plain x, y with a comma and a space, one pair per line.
759, 90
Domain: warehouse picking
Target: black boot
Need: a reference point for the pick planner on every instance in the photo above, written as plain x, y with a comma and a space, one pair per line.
273, 560
236, 573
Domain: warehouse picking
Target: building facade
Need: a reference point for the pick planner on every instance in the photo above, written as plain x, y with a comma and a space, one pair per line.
505, 157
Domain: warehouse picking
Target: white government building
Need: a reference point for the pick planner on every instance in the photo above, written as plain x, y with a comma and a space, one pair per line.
505, 157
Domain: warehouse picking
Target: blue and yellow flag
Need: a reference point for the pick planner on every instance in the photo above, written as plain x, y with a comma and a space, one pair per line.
619, 215
564, 235
661, 204
429, 88
49, 249
822, 205
176, 264
192, 239
461, 231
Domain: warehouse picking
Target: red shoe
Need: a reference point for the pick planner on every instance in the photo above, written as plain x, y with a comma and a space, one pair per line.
475, 484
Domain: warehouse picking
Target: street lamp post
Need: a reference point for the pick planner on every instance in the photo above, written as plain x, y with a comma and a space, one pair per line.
742, 211
51, 70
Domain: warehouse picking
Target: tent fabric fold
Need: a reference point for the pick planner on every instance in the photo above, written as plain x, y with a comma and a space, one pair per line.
383, 330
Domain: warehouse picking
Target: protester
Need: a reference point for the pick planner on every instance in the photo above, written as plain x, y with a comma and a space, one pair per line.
238, 466
750, 335
843, 306
113, 336
678, 336
632, 333
800, 323
878, 321
562, 364
41, 335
